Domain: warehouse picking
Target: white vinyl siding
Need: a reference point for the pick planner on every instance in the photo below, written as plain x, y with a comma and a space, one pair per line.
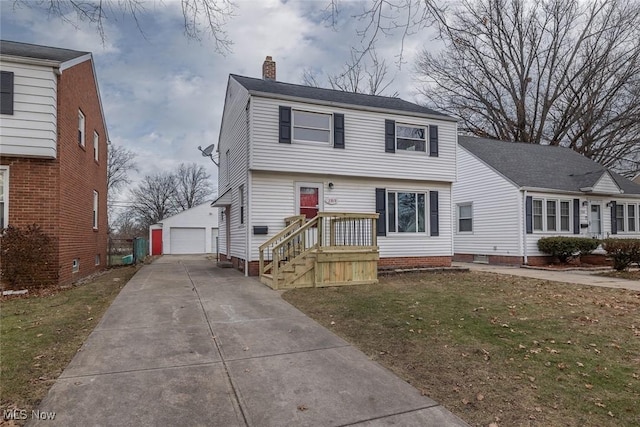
273, 199
32, 129
606, 185
497, 210
364, 153
232, 172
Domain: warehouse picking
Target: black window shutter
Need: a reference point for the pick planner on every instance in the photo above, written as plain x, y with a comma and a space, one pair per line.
528, 207
338, 130
614, 223
285, 125
576, 216
433, 141
433, 213
390, 136
381, 208
6, 92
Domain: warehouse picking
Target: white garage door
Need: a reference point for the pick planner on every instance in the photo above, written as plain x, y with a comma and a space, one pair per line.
187, 240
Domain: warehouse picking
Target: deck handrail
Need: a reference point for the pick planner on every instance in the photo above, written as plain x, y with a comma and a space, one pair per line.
288, 229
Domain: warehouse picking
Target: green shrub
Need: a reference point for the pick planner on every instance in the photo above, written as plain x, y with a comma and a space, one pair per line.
566, 248
27, 258
623, 251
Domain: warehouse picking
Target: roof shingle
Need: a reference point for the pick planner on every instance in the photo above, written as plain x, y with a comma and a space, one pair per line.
542, 166
27, 50
335, 96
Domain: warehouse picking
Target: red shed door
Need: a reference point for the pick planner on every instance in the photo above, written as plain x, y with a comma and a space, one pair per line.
156, 242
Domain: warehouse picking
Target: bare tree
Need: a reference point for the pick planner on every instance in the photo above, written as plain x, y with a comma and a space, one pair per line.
200, 16
559, 72
358, 76
154, 198
120, 162
193, 186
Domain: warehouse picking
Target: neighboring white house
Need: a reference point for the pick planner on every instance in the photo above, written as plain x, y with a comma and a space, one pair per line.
289, 149
193, 231
508, 195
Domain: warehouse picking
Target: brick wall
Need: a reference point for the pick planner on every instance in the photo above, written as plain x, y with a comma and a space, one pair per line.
415, 262
80, 174
58, 194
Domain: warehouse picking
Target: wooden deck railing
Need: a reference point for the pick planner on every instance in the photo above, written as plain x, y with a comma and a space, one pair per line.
328, 229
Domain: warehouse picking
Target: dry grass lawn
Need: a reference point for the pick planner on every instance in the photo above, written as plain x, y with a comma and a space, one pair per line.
40, 334
497, 349
629, 275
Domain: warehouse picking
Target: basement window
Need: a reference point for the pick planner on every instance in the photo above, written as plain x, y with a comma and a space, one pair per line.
75, 265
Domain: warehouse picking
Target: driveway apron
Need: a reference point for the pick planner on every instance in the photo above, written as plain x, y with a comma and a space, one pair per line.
187, 343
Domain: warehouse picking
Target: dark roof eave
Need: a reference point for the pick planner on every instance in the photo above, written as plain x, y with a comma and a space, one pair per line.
351, 106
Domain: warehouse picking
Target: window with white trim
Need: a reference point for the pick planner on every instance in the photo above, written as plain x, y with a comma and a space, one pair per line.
242, 204
620, 223
406, 212
95, 145
75, 265
81, 128
627, 217
95, 210
4, 197
411, 138
465, 218
97, 261
552, 215
308, 126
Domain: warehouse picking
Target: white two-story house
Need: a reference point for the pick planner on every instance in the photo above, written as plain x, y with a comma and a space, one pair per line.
287, 150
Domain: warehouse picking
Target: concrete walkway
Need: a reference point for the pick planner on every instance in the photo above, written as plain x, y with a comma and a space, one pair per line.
577, 277
187, 343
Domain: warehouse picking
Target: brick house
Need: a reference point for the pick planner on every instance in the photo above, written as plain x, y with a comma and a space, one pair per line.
53, 153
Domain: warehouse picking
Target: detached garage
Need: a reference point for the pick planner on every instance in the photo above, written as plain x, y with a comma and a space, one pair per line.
194, 231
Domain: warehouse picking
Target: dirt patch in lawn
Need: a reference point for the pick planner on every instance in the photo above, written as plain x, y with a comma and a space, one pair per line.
40, 334
497, 349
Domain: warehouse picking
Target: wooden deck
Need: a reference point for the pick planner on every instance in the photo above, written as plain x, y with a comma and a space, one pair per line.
332, 249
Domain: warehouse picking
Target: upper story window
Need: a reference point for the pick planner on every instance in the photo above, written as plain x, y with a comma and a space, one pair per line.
410, 138
95, 145
242, 204
4, 196
81, 128
315, 127
6, 92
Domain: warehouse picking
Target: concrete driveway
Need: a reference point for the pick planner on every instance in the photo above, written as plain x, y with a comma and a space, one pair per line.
187, 343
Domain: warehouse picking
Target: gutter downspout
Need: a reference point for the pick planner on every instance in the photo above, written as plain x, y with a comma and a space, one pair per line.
248, 192
524, 228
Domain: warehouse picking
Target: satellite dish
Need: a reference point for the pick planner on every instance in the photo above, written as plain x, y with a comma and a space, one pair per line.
207, 151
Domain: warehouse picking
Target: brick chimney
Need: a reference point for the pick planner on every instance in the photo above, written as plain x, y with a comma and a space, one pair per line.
269, 69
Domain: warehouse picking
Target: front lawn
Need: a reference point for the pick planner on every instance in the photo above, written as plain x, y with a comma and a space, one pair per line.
497, 349
40, 334
629, 274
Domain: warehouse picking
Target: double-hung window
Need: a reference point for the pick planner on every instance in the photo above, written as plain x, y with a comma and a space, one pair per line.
537, 215
406, 212
411, 138
620, 225
95, 145
551, 215
95, 210
465, 218
314, 127
6, 90
4, 196
565, 215
631, 217
81, 128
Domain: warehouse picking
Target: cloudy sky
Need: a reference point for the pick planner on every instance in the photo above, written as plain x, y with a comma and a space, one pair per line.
163, 93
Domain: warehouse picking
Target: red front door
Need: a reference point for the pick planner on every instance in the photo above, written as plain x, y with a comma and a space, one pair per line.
156, 242
309, 201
